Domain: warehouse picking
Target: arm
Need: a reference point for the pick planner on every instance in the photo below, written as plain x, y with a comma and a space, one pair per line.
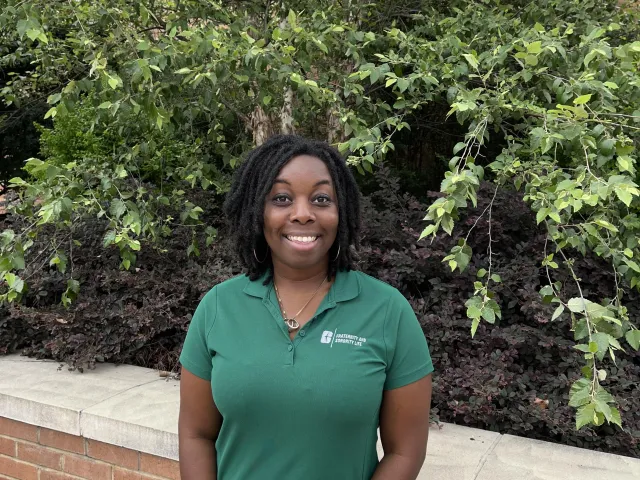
198, 428
404, 429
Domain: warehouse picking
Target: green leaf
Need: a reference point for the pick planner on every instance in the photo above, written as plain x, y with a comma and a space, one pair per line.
118, 208
488, 314
582, 99
429, 230
547, 290
584, 415
33, 34
603, 396
403, 84
471, 58
615, 417
17, 260
375, 75
22, 27
605, 224
447, 224
602, 341
61, 261
624, 196
590, 56
113, 83
109, 238
633, 338
481, 273
580, 393
603, 408
625, 163
632, 265
557, 312
474, 326
535, 47
577, 305
292, 18
473, 312
18, 285
51, 113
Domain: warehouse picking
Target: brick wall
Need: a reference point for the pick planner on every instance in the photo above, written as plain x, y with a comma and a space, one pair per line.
28, 452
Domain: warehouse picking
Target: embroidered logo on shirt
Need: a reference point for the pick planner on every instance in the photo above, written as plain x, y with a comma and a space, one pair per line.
335, 337
327, 336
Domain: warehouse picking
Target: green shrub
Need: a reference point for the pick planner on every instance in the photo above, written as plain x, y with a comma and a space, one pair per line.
545, 92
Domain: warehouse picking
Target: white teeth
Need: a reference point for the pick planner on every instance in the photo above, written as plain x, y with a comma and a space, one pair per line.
302, 239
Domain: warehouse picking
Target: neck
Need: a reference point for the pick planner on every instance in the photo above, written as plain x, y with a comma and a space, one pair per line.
285, 276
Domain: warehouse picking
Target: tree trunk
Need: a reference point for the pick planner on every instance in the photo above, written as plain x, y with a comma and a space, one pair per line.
335, 134
261, 126
286, 114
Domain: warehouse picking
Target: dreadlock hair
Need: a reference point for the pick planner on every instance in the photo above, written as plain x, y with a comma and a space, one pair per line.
244, 205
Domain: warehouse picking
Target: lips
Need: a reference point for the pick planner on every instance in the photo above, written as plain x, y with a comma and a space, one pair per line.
302, 243
302, 238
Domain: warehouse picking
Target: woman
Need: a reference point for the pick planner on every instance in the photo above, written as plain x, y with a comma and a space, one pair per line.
288, 371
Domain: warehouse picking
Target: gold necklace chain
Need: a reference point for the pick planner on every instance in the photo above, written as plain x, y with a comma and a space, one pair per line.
292, 323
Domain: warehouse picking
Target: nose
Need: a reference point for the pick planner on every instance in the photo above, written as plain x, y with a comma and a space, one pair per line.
301, 213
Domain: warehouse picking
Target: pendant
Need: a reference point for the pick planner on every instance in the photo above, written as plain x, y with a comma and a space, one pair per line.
292, 323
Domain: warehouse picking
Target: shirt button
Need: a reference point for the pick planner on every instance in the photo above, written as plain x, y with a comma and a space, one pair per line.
302, 333
290, 347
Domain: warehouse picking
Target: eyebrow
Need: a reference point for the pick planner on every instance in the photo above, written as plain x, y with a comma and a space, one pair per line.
317, 184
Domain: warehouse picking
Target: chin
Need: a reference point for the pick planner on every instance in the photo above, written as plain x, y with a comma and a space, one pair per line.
305, 263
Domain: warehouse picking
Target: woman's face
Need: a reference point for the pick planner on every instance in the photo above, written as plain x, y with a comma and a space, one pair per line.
301, 214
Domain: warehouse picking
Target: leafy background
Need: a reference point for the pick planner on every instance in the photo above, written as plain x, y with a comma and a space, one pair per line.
512, 125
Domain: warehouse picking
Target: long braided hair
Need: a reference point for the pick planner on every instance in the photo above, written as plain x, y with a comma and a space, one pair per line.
244, 205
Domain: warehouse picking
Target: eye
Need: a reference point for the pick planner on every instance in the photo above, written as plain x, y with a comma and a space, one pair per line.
280, 199
322, 199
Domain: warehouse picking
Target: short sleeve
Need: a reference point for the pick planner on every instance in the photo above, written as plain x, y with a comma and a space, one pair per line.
408, 357
196, 355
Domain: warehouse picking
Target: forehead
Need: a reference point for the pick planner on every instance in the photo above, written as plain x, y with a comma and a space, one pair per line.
303, 168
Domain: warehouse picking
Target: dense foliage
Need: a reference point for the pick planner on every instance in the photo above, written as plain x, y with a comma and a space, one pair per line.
153, 103
512, 379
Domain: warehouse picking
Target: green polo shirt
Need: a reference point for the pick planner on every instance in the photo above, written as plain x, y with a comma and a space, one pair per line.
306, 408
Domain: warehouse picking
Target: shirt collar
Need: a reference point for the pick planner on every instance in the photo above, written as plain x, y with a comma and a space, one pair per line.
345, 287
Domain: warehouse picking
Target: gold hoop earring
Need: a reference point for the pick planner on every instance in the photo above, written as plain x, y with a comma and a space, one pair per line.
337, 254
256, 257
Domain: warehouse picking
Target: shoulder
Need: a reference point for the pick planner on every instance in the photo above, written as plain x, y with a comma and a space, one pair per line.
234, 284
373, 287
373, 290
224, 289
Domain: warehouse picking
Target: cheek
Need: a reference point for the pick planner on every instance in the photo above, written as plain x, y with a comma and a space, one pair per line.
332, 220
271, 220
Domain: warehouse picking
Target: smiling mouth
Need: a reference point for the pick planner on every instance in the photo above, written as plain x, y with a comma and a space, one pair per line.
300, 239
